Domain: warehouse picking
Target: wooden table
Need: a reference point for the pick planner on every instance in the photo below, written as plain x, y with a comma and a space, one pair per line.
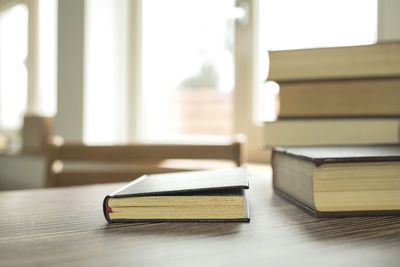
65, 227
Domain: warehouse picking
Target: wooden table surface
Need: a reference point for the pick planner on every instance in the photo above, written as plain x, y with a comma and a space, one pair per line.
66, 227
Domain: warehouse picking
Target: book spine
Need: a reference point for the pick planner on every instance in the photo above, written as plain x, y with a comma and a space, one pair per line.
106, 209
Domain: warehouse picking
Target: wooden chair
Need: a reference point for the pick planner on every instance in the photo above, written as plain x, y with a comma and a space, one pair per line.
127, 162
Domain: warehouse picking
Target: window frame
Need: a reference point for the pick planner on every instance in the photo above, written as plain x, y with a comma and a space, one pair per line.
247, 82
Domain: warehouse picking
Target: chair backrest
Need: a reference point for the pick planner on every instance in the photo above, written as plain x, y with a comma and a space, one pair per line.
137, 159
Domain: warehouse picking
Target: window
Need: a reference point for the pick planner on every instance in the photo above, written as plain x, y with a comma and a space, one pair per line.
13, 71
187, 68
15, 89
196, 66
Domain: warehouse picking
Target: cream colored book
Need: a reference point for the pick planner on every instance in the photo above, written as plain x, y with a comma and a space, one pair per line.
378, 60
331, 131
339, 181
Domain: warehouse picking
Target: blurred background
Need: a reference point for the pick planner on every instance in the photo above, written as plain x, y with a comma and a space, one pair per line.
120, 71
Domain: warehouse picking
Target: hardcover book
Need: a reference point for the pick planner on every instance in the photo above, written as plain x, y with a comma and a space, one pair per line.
214, 195
377, 60
340, 98
331, 131
339, 181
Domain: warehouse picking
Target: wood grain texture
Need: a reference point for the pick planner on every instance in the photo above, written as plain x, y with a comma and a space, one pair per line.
66, 227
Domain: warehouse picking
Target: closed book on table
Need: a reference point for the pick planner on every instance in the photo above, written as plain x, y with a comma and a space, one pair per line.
339, 181
365, 61
331, 131
214, 195
340, 98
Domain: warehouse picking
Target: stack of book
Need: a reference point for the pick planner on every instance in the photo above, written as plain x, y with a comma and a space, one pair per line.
336, 138
330, 96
